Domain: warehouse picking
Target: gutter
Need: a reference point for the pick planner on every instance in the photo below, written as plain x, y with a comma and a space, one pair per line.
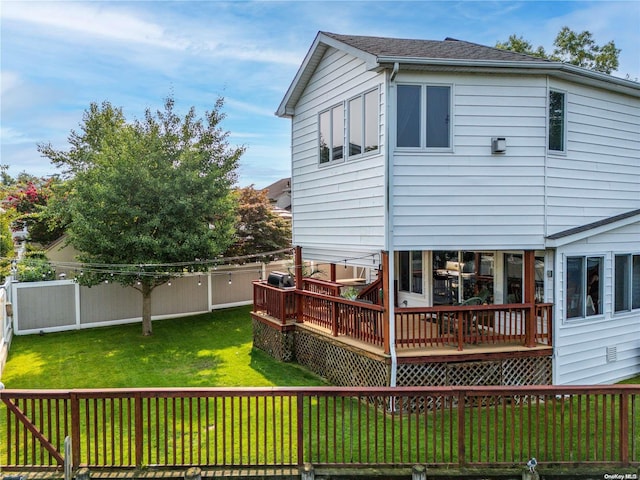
389, 230
556, 69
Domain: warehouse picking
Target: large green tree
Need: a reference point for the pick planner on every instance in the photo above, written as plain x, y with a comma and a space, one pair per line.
570, 47
258, 227
149, 199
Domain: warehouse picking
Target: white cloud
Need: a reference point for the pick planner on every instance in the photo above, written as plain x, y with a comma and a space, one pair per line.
91, 20
10, 135
8, 81
247, 107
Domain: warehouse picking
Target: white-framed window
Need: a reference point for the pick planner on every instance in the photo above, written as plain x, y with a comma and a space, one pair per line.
584, 286
557, 121
331, 134
423, 116
626, 288
363, 112
410, 271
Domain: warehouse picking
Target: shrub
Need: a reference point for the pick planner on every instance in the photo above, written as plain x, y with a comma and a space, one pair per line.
35, 268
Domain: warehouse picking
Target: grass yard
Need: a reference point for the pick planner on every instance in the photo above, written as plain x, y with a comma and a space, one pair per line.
633, 380
215, 349
209, 350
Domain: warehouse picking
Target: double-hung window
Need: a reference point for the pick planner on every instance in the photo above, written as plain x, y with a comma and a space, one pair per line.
423, 116
331, 124
363, 123
626, 282
557, 121
584, 286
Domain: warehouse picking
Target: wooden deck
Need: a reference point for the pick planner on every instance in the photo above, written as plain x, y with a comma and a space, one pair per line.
432, 354
478, 331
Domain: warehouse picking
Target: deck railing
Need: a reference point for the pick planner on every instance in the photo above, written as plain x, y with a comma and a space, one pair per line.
321, 286
279, 303
419, 327
358, 320
325, 426
473, 325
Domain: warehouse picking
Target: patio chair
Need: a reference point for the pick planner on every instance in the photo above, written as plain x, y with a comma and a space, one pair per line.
450, 324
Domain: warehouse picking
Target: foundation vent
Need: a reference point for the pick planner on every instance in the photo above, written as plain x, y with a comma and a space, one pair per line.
612, 354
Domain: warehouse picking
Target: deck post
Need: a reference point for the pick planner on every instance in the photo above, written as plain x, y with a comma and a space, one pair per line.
418, 472
75, 429
529, 298
298, 279
386, 281
624, 428
193, 473
332, 272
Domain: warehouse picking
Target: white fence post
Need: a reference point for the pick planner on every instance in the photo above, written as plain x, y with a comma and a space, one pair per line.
68, 461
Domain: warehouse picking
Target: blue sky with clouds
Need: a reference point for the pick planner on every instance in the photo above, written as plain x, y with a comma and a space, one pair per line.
58, 57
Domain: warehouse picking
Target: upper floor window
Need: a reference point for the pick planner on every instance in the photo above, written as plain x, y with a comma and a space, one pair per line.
431, 129
363, 123
557, 121
584, 288
332, 134
627, 282
423, 116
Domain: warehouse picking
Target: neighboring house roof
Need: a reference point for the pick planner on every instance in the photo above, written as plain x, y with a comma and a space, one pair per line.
279, 193
381, 53
584, 231
282, 213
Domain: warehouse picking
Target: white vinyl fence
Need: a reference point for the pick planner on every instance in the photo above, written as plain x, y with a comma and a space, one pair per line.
5, 321
64, 305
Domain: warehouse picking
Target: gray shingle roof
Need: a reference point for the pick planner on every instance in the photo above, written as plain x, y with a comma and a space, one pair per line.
591, 226
449, 48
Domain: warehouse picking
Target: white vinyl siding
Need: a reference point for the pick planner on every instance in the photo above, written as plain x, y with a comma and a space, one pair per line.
340, 206
557, 131
581, 344
467, 198
599, 176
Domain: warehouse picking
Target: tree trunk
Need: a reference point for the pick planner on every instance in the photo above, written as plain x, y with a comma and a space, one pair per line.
146, 310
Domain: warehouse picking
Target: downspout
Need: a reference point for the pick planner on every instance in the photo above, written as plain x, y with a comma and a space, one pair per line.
389, 229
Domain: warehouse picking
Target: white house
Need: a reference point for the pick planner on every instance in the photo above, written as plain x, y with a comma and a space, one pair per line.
465, 163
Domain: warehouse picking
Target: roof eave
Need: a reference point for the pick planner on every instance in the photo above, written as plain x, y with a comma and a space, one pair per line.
557, 69
559, 239
319, 46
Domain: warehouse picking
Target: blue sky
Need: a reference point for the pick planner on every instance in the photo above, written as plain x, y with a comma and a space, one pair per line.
58, 57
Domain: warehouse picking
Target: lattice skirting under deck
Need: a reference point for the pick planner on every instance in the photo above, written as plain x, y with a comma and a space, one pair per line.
339, 365
345, 365
510, 371
279, 345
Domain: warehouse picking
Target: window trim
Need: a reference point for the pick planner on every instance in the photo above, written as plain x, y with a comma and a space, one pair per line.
363, 118
329, 111
423, 119
629, 279
564, 122
584, 315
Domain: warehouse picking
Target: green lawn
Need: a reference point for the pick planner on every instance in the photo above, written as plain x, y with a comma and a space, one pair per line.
209, 350
215, 349
633, 380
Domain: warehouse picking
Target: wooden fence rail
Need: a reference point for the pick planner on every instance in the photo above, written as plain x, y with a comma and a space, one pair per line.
331, 426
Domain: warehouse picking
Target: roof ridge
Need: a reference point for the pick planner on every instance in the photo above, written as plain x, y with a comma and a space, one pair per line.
449, 48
